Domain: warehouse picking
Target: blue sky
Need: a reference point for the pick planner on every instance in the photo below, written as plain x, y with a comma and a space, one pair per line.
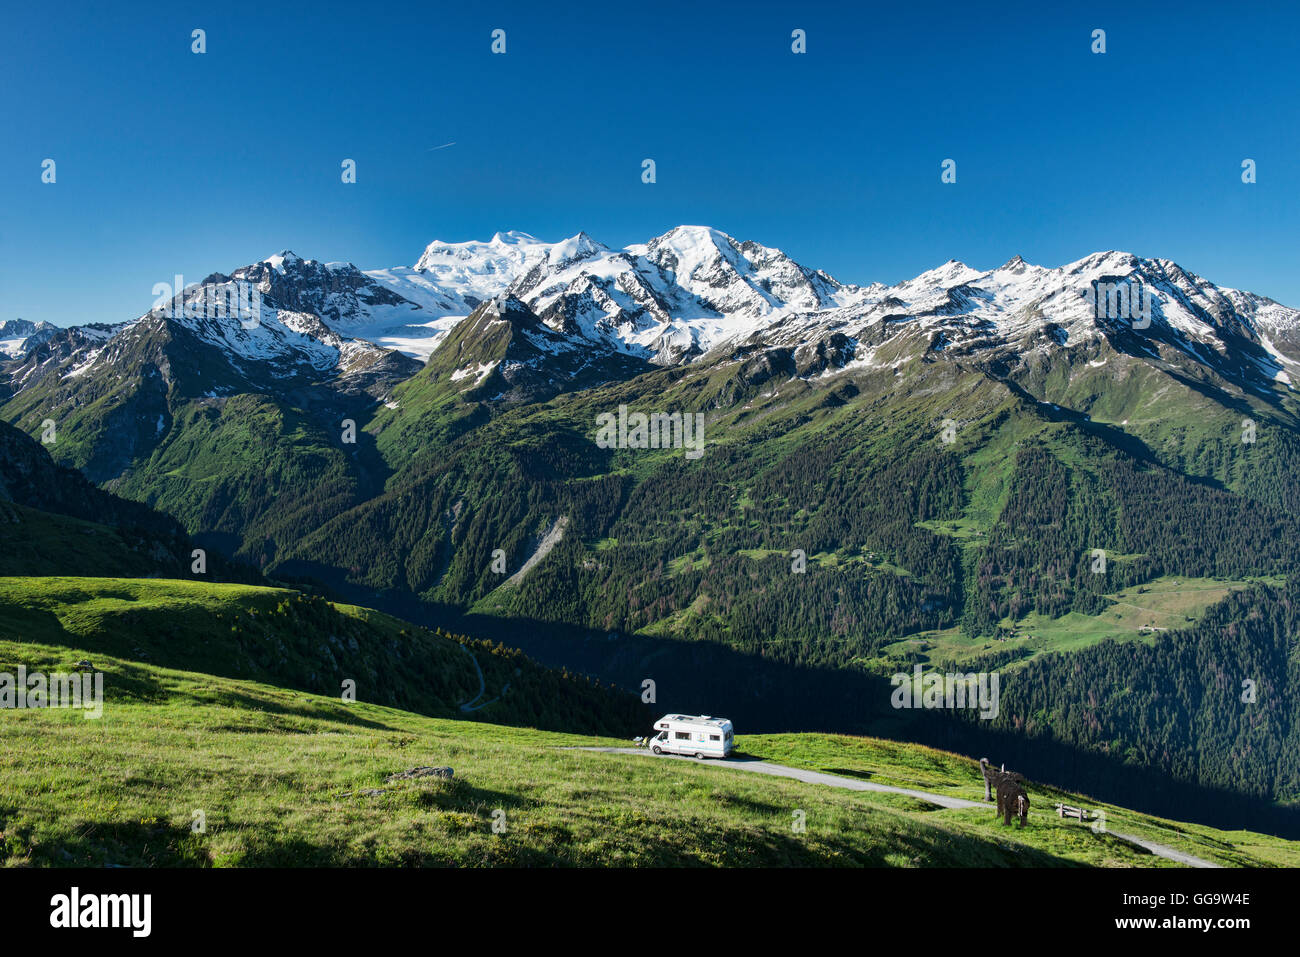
171, 162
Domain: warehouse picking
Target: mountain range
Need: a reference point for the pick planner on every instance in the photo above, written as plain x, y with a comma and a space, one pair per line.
674, 298
950, 455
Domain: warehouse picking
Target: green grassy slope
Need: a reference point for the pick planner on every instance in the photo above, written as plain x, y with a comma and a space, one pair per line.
246, 462
33, 542
207, 709
1137, 613
900, 764
283, 637
289, 778
53, 521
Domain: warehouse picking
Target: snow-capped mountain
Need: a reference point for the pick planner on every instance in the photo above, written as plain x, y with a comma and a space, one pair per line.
673, 298
450, 280
18, 336
667, 300
280, 324
63, 353
695, 291
503, 353
1008, 314
269, 323
472, 272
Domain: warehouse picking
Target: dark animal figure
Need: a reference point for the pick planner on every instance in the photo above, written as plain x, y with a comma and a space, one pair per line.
1012, 799
1010, 791
992, 777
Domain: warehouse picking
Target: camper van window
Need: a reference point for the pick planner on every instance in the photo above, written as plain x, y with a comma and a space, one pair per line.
715, 737
683, 735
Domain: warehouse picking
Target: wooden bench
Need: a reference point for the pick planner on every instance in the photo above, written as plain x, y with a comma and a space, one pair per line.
1082, 813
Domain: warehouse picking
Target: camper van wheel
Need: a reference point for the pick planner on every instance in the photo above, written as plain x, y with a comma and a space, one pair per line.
699, 755
657, 750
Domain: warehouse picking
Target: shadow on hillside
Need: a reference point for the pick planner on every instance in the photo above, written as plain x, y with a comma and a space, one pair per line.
61, 650
127, 681
457, 795
241, 701
851, 773
125, 844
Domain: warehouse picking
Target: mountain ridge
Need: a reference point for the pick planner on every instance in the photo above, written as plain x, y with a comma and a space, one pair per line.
693, 289
679, 295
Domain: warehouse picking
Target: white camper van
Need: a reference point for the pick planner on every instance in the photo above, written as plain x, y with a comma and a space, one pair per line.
701, 736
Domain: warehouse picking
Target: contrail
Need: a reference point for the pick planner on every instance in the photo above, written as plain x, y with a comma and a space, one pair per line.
442, 147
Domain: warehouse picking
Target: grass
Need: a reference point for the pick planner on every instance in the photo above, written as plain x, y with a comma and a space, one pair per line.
33, 542
280, 779
280, 637
1139, 613
284, 776
913, 766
